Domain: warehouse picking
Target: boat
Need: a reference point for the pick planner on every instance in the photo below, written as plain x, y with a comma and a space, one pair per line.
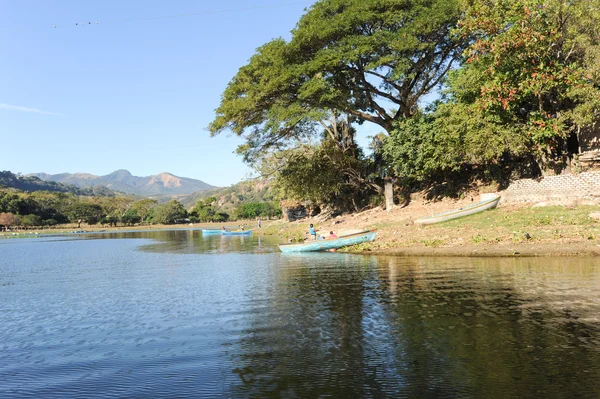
209, 231
329, 243
487, 202
237, 233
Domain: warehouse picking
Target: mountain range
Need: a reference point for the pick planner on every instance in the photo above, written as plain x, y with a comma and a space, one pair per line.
122, 180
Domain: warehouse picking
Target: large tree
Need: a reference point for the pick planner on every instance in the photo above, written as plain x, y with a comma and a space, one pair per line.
350, 60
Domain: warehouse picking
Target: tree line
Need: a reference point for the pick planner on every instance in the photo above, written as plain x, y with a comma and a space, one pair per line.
44, 208
515, 82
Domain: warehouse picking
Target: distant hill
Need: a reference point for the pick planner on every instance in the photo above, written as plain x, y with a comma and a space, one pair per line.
229, 198
34, 183
122, 180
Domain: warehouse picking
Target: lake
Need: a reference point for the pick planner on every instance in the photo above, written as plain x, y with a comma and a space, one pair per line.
173, 314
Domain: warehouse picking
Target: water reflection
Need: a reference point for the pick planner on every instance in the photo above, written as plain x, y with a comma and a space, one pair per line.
192, 241
176, 314
377, 327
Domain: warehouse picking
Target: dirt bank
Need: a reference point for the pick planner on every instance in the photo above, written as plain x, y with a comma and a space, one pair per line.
510, 230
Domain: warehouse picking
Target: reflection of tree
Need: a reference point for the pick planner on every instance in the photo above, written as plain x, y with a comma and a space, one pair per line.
191, 241
345, 326
312, 333
464, 330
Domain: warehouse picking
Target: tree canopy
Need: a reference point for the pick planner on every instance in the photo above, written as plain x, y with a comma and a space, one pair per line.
532, 71
369, 59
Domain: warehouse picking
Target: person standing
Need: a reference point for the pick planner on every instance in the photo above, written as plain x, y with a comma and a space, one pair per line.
259, 223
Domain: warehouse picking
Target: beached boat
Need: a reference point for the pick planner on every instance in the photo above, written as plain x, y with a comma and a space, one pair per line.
329, 243
209, 231
237, 233
483, 205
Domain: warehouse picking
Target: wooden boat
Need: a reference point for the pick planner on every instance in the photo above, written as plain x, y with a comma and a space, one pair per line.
329, 243
237, 233
485, 204
209, 231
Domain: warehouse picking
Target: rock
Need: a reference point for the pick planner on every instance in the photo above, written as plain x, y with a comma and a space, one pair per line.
595, 215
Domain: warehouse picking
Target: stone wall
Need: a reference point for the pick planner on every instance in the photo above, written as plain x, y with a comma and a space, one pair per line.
561, 188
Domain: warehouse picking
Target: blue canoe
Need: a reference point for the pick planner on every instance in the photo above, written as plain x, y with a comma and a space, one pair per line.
208, 231
329, 243
237, 233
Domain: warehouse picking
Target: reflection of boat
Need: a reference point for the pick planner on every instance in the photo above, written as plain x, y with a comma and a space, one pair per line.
237, 233
485, 204
330, 243
209, 231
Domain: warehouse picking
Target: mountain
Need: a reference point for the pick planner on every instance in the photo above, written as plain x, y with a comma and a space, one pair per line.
122, 180
34, 183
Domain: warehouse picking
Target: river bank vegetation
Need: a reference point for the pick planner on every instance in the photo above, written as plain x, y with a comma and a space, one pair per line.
45, 209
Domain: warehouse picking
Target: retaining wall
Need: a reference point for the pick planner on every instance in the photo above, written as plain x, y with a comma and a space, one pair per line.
561, 188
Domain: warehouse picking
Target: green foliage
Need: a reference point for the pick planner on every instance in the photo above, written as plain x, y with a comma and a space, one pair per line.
31, 220
227, 200
351, 57
205, 212
529, 82
81, 211
532, 70
325, 174
143, 208
253, 210
169, 213
131, 217
221, 217
423, 147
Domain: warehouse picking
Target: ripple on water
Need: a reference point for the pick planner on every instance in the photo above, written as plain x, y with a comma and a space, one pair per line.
182, 318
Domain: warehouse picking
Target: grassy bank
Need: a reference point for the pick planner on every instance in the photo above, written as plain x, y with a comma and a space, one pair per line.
507, 230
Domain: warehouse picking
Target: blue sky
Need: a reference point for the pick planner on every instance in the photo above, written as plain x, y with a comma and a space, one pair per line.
130, 91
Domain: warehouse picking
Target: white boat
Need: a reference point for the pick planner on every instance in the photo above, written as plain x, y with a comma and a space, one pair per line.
488, 202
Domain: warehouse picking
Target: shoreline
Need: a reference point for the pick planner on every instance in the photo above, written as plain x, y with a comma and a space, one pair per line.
510, 230
522, 230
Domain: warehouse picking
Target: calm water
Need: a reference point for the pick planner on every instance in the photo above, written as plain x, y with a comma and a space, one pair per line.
174, 314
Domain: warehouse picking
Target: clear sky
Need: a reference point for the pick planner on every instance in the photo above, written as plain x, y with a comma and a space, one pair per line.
132, 86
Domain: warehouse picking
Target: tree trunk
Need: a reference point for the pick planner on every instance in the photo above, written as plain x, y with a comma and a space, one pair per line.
389, 194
